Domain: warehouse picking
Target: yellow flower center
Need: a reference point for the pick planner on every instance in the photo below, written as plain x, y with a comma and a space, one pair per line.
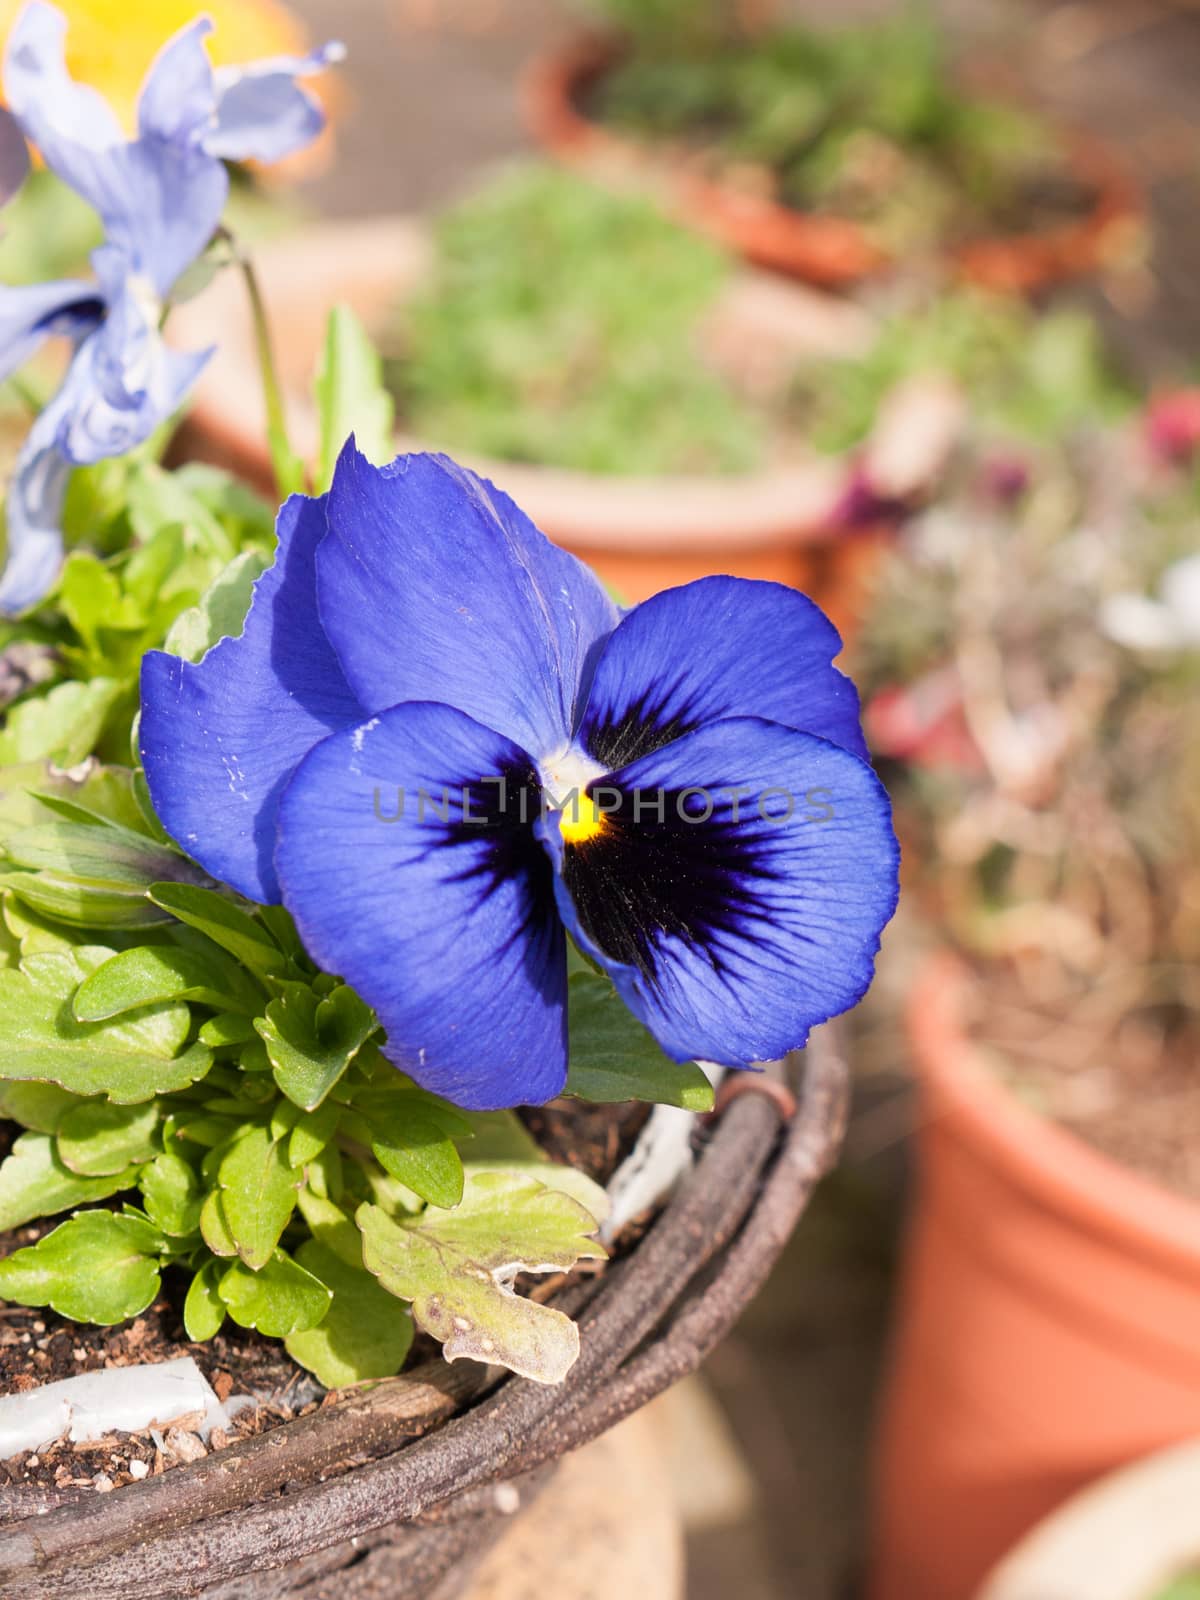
581, 819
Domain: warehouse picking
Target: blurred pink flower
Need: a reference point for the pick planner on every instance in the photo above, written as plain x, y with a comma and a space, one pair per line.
1173, 425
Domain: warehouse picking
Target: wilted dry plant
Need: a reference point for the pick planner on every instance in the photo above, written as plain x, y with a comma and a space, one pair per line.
1033, 660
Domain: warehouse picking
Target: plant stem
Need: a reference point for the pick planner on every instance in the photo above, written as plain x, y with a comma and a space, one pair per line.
290, 475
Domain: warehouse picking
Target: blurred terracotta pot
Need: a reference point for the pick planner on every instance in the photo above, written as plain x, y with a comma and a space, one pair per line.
640, 534
832, 251
1048, 1327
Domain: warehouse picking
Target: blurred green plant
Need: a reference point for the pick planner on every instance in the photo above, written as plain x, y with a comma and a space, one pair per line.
1029, 376
903, 149
1184, 1588
563, 328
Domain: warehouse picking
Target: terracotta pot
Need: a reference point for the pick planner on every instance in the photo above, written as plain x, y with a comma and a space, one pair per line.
640, 534
1048, 1327
1123, 1539
828, 250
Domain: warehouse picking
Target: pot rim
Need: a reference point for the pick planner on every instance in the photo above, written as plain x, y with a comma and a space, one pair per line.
1113, 1541
1051, 1166
832, 250
383, 257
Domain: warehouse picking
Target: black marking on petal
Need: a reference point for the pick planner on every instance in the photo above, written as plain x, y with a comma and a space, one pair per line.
503, 845
654, 719
643, 880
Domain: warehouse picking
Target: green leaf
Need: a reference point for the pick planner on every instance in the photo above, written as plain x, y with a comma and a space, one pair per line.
149, 973
409, 1144
501, 1137
351, 396
34, 934
227, 1029
171, 1194
34, 1183
221, 613
364, 1334
311, 1042
258, 1194
278, 1299
63, 725
311, 1132
214, 1229
553, 1175
97, 1267
457, 1267
330, 1225
223, 922
90, 597
41, 1106
88, 875
98, 1139
132, 1060
89, 791
203, 1308
158, 499
614, 1058
245, 516
379, 1098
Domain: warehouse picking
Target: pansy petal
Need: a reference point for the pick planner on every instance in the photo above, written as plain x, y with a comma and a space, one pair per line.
160, 202
263, 114
433, 583
220, 737
14, 156
33, 508
731, 935
440, 914
135, 382
178, 99
54, 111
719, 647
32, 312
159, 199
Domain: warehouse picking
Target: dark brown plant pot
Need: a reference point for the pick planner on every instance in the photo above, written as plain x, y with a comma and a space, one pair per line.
390, 1490
832, 251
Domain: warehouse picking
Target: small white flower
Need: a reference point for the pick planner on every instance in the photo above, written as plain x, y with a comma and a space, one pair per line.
1172, 622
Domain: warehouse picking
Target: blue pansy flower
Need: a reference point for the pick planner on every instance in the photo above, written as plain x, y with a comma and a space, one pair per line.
393, 746
160, 197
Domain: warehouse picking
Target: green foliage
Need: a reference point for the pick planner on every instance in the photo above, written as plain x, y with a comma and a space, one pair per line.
49, 232
1186, 1587
240, 1102
614, 1058
562, 328
361, 1335
350, 395
100, 1266
150, 546
311, 1039
904, 151
1028, 377
34, 1182
457, 1266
